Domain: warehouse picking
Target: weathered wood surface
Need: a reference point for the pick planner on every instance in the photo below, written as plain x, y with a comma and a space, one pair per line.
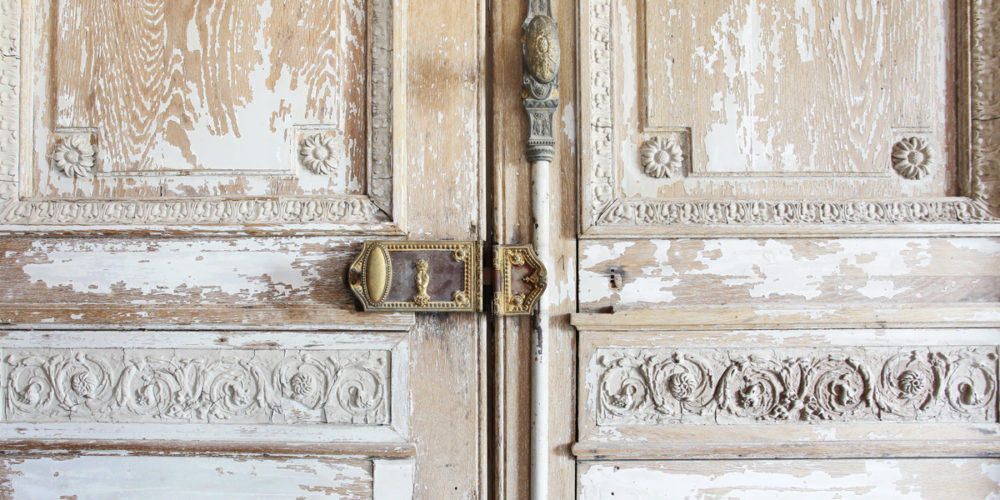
799, 479
224, 87
653, 391
628, 274
788, 88
786, 118
206, 259
170, 477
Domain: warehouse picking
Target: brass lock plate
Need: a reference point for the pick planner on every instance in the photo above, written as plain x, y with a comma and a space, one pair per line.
521, 279
433, 276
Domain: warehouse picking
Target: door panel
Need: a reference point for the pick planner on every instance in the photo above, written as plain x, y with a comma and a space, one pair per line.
103, 476
787, 248
786, 479
183, 186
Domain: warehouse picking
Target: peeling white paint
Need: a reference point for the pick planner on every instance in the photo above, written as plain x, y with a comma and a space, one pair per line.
172, 267
809, 480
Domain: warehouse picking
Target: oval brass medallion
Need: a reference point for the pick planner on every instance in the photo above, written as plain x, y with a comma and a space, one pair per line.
378, 269
541, 49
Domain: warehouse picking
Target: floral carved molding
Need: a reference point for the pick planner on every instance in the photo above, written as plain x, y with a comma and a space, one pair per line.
260, 387
375, 207
604, 205
705, 386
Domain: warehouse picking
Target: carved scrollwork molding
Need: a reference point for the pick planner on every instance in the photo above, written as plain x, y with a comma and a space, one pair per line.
265, 387
705, 386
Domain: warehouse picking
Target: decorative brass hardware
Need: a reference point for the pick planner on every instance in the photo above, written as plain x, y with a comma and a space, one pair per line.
522, 279
541, 48
418, 276
439, 276
423, 279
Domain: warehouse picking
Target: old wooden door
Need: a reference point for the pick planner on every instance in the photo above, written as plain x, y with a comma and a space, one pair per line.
182, 187
787, 251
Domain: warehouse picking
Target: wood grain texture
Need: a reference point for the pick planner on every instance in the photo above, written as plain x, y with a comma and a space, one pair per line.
216, 141
788, 88
848, 479
83, 477
203, 87
326, 46
753, 68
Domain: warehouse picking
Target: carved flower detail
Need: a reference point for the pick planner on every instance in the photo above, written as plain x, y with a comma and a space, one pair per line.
661, 157
318, 153
74, 155
83, 383
910, 383
911, 157
301, 384
681, 385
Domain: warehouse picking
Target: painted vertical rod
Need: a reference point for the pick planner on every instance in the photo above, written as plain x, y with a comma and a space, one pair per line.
540, 48
540, 201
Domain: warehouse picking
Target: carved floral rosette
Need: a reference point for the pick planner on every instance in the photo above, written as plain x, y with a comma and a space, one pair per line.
710, 386
332, 387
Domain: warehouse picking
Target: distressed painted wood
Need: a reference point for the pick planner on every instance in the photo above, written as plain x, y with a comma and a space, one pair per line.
206, 114
513, 224
628, 274
848, 479
640, 390
195, 166
744, 150
123, 476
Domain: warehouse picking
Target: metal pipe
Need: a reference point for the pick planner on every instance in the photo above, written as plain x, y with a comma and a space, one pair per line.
540, 204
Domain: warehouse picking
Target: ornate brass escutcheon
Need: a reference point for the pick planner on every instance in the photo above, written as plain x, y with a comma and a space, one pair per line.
521, 280
418, 276
440, 276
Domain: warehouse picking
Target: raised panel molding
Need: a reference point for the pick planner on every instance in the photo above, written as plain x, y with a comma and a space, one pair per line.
343, 392
607, 211
742, 386
197, 386
371, 211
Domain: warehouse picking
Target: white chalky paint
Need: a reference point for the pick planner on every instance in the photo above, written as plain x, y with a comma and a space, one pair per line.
173, 267
879, 480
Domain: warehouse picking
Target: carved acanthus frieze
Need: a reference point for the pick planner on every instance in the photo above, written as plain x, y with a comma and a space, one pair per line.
331, 387
655, 212
704, 386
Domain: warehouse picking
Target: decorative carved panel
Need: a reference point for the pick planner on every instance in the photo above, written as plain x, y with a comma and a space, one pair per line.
858, 384
214, 113
197, 386
746, 114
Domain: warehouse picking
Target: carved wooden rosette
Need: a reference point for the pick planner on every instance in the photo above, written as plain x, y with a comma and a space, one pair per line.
418, 276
